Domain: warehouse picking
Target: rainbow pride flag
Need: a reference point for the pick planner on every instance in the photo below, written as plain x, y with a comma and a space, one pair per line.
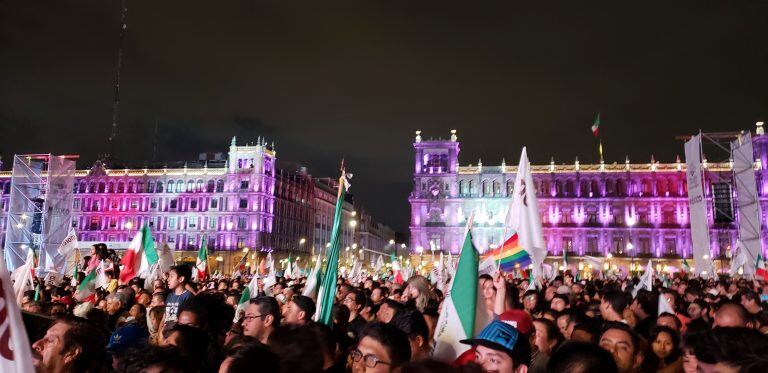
511, 255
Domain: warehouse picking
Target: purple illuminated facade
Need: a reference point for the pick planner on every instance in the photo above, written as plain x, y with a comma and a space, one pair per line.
230, 201
586, 209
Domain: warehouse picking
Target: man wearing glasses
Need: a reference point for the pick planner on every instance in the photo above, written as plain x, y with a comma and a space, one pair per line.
262, 317
382, 348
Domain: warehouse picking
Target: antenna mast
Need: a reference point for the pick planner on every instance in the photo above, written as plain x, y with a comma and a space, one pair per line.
116, 103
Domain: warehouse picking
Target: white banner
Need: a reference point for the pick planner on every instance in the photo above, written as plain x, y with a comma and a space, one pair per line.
524, 218
748, 203
15, 351
697, 205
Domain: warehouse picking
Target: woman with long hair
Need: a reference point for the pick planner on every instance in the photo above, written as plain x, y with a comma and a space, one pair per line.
417, 290
664, 354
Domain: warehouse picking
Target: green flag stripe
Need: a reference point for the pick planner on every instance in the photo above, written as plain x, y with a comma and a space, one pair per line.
149, 245
328, 287
464, 290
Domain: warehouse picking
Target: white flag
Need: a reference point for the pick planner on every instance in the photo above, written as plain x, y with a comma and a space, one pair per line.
288, 271
646, 280
24, 276
166, 260
313, 281
15, 351
69, 244
697, 205
738, 260
524, 217
271, 278
665, 305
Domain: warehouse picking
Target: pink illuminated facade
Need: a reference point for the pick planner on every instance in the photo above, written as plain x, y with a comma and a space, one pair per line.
234, 200
586, 209
229, 202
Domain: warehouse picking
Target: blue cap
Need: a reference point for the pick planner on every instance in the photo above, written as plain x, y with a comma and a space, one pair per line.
127, 336
498, 335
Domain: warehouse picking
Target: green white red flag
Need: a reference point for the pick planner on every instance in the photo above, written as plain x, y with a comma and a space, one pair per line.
459, 318
201, 265
140, 256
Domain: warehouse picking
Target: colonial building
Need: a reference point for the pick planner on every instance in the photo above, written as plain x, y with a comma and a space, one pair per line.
625, 209
234, 201
294, 211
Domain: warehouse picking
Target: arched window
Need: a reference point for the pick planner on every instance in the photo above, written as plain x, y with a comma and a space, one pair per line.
102, 187
82, 187
672, 187
190, 186
510, 187
121, 187
647, 187
219, 186
211, 186
621, 188
585, 188
462, 185
559, 188
595, 189
496, 188
610, 187
180, 186
131, 187
569, 188
199, 186
485, 190
171, 186
140, 187
159, 187
661, 187
111, 188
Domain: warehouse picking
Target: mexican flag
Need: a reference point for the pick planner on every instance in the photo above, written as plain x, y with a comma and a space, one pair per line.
328, 285
596, 126
760, 271
686, 266
201, 265
250, 290
92, 281
140, 256
459, 318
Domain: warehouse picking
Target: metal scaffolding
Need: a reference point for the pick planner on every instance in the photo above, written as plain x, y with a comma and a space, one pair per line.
40, 209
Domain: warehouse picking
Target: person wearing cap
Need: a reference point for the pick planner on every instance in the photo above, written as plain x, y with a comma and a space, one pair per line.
125, 337
299, 310
501, 348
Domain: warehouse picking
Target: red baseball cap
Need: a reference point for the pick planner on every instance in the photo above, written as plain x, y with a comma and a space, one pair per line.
520, 319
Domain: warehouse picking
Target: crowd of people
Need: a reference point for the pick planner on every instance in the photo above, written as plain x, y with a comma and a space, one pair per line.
177, 324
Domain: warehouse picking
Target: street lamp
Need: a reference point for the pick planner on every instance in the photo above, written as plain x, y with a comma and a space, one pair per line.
353, 223
128, 225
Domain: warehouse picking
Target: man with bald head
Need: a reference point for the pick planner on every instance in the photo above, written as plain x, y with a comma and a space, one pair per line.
731, 314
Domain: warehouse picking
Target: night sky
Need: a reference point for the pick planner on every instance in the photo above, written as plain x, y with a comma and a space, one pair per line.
326, 79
